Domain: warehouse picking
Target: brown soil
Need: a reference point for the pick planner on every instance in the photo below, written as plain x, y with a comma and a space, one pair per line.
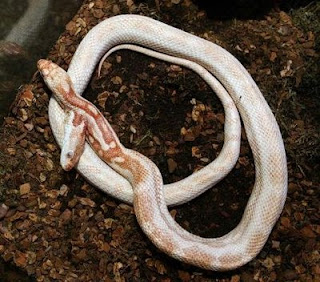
60, 228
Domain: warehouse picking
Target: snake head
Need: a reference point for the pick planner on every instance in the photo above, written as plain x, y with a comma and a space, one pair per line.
57, 80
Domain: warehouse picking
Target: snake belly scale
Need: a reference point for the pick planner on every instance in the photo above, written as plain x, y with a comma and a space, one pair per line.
77, 119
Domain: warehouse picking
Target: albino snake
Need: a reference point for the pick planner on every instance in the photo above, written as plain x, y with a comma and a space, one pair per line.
76, 119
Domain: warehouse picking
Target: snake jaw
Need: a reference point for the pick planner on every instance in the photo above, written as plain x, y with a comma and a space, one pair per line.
66, 163
67, 160
74, 140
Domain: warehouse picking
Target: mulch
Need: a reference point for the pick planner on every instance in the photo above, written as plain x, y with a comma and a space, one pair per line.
54, 226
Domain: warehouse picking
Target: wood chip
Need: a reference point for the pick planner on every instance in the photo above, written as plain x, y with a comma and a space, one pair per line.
25, 188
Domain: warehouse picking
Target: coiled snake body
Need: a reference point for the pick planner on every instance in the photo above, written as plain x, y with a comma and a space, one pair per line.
134, 178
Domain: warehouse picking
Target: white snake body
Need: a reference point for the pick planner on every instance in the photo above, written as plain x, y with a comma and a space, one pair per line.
149, 197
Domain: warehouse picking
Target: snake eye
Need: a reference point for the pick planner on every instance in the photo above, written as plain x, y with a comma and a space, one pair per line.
70, 154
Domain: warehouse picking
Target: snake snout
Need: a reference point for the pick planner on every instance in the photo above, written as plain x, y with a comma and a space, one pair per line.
44, 67
67, 160
66, 163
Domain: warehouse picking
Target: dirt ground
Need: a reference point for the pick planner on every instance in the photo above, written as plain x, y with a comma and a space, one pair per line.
54, 226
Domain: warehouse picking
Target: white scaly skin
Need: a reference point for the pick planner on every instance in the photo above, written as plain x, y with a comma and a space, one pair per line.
269, 192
